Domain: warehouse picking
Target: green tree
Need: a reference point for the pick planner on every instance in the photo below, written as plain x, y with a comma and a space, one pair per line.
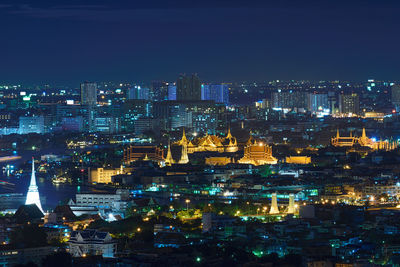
29, 235
59, 259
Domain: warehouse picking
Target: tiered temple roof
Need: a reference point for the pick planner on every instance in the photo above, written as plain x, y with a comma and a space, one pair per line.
364, 140
211, 143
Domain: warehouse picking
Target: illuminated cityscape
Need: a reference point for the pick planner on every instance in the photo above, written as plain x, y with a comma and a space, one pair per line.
217, 133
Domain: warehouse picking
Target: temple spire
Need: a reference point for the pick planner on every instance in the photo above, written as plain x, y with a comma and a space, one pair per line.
337, 134
184, 156
229, 135
32, 197
364, 135
184, 140
169, 160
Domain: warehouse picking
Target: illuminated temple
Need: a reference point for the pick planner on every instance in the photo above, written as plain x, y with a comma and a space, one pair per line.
257, 153
209, 143
349, 141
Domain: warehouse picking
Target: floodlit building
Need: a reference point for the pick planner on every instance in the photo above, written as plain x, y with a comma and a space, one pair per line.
134, 153
91, 242
257, 153
349, 141
298, 160
115, 201
210, 143
103, 176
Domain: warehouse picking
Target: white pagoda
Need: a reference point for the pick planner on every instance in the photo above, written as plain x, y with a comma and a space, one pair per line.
32, 197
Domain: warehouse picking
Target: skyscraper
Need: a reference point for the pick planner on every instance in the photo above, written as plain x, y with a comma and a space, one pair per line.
188, 88
32, 197
317, 102
216, 92
159, 90
88, 94
172, 92
349, 103
138, 92
396, 96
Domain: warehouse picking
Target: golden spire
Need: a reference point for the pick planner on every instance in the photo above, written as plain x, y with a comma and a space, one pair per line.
364, 135
146, 157
184, 140
229, 135
184, 156
337, 134
169, 160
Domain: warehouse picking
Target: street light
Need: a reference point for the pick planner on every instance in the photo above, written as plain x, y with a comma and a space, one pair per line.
187, 203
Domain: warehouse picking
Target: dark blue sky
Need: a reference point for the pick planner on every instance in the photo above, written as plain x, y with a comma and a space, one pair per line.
65, 42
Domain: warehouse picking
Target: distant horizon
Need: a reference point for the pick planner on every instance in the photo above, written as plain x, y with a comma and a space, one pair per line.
76, 85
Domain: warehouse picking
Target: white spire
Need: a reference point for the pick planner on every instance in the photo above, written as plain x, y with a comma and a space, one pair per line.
32, 197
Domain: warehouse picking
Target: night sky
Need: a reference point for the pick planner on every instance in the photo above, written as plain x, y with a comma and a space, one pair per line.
65, 42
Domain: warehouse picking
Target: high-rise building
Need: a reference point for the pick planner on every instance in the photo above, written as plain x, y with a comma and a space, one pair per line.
159, 90
396, 96
188, 88
88, 93
171, 92
33, 124
32, 197
138, 92
290, 99
317, 102
349, 103
216, 92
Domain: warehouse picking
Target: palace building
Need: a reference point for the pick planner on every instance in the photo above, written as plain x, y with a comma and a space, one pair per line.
257, 153
349, 141
209, 143
134, 153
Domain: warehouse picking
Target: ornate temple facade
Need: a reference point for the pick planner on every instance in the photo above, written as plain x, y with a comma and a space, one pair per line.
134, 153
364, 140
209, 143
257, 153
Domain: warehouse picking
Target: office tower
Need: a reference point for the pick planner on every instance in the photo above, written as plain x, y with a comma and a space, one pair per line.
349, 104
138, 92
294, 100
159, 90
88, 94
132, 110
171, 92
216, 92
317, 102
32, 197
107, 124
188, 88
332, 102
396, 96
31, 125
